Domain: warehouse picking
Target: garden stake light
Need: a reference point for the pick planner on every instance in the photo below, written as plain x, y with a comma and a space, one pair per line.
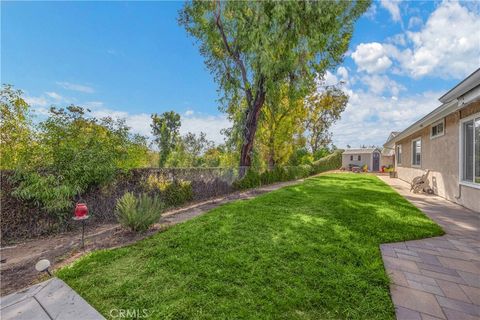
81, 214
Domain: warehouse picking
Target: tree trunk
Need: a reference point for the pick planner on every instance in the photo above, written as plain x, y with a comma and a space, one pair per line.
249, 133
271, 154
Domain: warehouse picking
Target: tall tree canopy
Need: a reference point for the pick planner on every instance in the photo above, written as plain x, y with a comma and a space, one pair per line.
15, 127
252, 47
165, 129
323, 109
281, 121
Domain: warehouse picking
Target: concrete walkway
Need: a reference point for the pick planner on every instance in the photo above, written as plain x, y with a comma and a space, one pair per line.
51, 299
436, 278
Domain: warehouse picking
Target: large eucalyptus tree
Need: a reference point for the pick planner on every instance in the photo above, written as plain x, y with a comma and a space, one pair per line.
252, 47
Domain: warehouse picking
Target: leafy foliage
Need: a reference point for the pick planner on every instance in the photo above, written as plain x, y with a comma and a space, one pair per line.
138, 213
165, 130
73, 153
174, 193
323, 110
16, 136
330, 162
253, 47
280, 125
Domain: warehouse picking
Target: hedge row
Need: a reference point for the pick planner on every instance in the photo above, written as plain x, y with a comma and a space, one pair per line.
174, 186
254, 179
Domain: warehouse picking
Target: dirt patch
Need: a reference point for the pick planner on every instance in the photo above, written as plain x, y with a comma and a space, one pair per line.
18, 269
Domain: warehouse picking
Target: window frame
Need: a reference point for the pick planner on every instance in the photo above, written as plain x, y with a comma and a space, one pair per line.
413, 154
351, 157
359, 158
434, 125
461, 147
398, 151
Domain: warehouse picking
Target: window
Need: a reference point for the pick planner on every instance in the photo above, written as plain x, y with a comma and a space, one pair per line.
399, 154
359, 158
351, 158
470, 132
417, 152
437, 129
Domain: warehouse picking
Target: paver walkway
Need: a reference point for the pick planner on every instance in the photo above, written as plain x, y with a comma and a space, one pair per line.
51, 299
436, 278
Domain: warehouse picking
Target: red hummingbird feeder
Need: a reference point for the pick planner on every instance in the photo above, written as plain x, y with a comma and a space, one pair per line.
81, 214
81, 211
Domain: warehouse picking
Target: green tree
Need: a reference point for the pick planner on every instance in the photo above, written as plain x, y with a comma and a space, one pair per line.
252, 47
189, 150
76, 152
165, 130
281, 120
324, 108
15, 127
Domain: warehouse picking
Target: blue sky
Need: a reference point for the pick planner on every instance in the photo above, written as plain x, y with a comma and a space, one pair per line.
131, 59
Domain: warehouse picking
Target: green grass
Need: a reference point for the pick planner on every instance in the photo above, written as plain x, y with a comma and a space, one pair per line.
309, 251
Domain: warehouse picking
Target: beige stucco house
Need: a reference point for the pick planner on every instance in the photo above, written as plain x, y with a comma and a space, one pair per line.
447, 142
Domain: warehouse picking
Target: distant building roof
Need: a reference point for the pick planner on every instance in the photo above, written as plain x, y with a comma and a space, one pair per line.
360, 150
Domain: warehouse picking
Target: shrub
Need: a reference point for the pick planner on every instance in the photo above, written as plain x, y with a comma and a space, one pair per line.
175, 193
251, 179
178, 192
330, 162
254, 179
71, 153
138, 213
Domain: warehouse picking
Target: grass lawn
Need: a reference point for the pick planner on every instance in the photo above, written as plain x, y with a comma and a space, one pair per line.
309, 251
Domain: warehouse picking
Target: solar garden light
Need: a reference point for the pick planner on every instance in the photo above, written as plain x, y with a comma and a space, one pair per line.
43, 265
81, 214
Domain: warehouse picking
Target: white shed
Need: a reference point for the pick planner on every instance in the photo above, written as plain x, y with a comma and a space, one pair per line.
361, 157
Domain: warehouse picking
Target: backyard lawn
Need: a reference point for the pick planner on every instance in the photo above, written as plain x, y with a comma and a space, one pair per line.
309, 251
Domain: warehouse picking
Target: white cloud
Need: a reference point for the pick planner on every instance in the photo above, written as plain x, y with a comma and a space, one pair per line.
342, 72
379, 84
392, 6
76, 87
447, 46
371, 12
398, 39
369, 117
371, 57
55, 96
36, 101
189, 112
211, 125
93, 104
414, 22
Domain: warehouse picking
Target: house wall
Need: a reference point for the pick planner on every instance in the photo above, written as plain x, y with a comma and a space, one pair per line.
366, 158
386, 161
441, 156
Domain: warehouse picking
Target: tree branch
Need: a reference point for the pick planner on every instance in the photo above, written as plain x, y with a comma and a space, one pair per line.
235, 56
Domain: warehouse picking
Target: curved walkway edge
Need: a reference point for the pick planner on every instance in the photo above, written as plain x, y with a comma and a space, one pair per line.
436, 278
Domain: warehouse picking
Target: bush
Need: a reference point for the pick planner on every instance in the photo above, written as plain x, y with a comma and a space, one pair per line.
330, 162
138, 213
175, 193
254, 179
71, 153
251, 179
178, 192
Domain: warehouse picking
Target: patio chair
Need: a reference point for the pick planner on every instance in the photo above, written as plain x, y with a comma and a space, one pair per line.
420, 183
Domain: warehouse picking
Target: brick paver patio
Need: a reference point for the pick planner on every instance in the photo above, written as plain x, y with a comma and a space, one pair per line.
436, 278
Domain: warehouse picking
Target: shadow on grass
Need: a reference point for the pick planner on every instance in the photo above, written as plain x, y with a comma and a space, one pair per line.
308, 251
